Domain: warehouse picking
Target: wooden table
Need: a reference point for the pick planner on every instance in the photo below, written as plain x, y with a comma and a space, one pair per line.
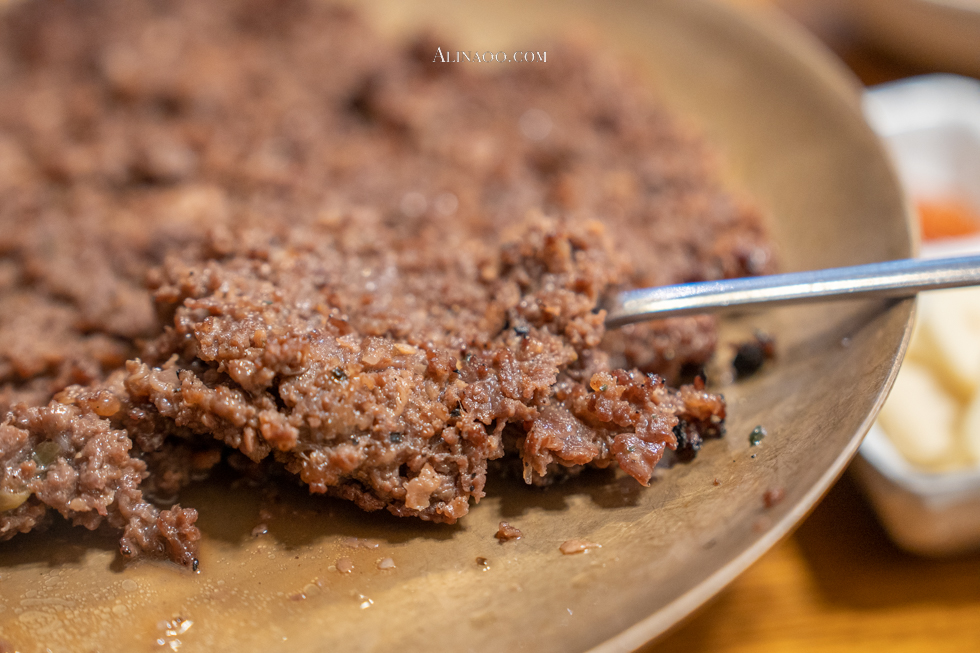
838, 583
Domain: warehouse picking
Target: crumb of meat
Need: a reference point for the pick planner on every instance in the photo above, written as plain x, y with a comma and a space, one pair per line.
201, 258
419, 489
506, 532
773, 496
386, 563
574, 546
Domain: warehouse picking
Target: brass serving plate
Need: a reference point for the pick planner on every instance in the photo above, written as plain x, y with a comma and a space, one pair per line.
789, 128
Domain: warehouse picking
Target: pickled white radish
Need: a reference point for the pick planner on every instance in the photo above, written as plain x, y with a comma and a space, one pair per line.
920, 417
948, 339
970, 428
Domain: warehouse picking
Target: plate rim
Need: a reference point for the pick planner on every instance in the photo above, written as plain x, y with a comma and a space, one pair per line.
831, 72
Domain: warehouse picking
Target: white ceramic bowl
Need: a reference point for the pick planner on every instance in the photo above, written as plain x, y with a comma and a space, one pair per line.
931, 125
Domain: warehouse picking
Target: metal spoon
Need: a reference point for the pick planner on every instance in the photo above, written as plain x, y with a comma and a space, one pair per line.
903, 278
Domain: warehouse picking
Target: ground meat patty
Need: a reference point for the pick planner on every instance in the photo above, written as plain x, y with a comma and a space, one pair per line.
253, 224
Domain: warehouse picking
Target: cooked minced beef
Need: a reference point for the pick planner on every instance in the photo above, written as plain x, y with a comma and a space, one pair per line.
506, 532
254, 225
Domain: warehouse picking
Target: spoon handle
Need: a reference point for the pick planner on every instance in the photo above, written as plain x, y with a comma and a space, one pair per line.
902, 278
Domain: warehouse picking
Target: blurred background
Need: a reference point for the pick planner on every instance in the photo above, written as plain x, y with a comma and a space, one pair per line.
889, 559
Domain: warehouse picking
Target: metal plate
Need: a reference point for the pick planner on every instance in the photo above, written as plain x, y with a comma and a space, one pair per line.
790, 131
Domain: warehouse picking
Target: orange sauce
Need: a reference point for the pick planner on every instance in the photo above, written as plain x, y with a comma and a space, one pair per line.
946, 219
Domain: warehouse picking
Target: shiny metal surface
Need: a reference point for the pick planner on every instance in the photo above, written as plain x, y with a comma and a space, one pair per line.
788, 127
890, 279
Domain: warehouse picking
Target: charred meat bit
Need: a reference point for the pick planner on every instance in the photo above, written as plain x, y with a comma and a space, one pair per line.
750, 356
